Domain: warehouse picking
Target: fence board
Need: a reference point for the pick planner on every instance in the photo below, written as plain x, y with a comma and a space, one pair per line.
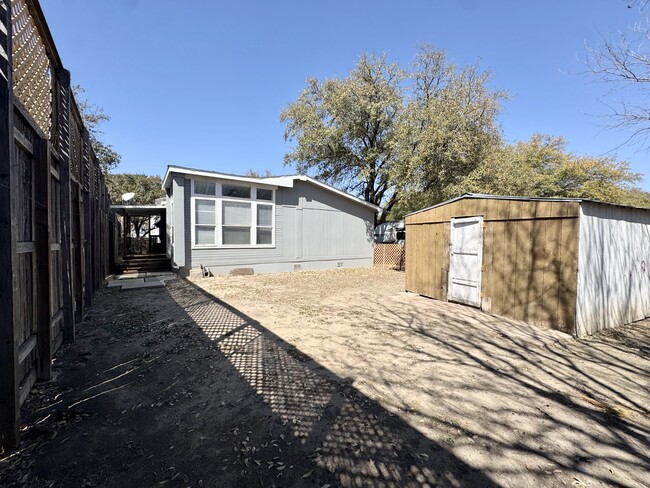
42, 257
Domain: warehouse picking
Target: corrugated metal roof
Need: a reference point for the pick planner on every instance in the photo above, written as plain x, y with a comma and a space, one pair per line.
524, 199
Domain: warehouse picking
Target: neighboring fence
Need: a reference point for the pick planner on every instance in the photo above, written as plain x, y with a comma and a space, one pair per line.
389, 255
54, 209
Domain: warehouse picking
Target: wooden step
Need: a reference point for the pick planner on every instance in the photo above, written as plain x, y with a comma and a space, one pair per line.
145, 263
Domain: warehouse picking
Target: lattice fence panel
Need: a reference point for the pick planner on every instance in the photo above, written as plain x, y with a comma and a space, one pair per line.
390, 256
32, 70
87, 167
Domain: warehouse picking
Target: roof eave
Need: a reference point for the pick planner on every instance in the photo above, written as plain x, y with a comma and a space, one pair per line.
495, 197
220, 176
275, 181
376, 208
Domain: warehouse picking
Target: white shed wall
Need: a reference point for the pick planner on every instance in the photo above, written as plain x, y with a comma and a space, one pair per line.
613, 267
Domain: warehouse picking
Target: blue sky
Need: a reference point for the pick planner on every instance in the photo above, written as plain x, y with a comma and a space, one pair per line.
201, 83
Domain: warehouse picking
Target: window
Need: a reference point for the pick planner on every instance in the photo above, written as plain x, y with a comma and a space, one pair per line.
264, 224
205, 188
226, 214
235, 191
205, 222
236, 225
263, 194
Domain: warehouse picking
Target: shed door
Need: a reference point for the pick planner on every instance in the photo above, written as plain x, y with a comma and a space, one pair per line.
465, 261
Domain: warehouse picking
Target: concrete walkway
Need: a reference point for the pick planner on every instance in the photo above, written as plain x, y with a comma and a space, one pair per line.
134, 281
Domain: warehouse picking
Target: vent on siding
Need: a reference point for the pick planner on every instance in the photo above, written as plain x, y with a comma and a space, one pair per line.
339, 264
297, 267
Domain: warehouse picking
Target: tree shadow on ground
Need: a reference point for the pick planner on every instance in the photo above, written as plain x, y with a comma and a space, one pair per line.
569, 406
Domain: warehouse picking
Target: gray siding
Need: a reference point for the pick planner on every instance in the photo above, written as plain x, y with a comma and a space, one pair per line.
334, 227
187, 227
314, 228
178, 192
613, 267
169, 247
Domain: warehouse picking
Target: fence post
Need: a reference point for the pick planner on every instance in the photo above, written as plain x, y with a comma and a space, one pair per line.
42, 178
9, 404
87, 236
64, 175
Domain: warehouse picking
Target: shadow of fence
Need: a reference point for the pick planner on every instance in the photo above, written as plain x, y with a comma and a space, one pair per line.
354, 441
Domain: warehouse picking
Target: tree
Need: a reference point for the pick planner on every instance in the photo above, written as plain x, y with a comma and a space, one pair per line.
450, 126
542, 167
623, 63
345, 129
146, 188
393, 137
258, 174
93, 116
637, 198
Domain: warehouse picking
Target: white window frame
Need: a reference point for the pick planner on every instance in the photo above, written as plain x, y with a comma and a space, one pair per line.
218, 199
195, 225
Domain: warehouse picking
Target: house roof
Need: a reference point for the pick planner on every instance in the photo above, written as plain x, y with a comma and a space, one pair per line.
520, 198
271, 181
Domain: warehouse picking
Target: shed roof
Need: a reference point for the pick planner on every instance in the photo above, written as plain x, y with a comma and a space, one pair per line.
524, 199
275, 181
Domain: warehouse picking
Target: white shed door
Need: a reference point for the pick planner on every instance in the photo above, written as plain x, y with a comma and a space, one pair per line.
465, 261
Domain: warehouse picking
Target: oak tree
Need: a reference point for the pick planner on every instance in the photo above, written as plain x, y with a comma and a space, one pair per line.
93, 117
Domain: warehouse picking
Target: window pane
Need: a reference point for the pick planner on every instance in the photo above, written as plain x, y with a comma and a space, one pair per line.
264, 194
265, 215
205, 218
204, 235
236, 213
235, 191
264, 236
205, 212
236, 235
204, 188
205, 205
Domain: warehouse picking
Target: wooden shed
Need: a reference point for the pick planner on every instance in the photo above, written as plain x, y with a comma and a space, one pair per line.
574, 265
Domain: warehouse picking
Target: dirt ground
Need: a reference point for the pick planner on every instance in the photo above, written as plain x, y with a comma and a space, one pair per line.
331, 378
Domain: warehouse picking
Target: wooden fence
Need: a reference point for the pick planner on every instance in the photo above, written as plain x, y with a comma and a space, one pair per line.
389, 255
54, 210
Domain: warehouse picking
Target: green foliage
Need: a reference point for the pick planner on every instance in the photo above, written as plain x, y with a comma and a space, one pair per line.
387, 134
542, 167
146, 188
346, 128
450, 125
93, 116
636, 197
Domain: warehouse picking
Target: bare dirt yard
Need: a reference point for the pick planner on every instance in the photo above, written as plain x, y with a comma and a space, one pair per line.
331, 378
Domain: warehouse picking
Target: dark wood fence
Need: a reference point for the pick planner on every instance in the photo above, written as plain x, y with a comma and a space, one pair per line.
54, 210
